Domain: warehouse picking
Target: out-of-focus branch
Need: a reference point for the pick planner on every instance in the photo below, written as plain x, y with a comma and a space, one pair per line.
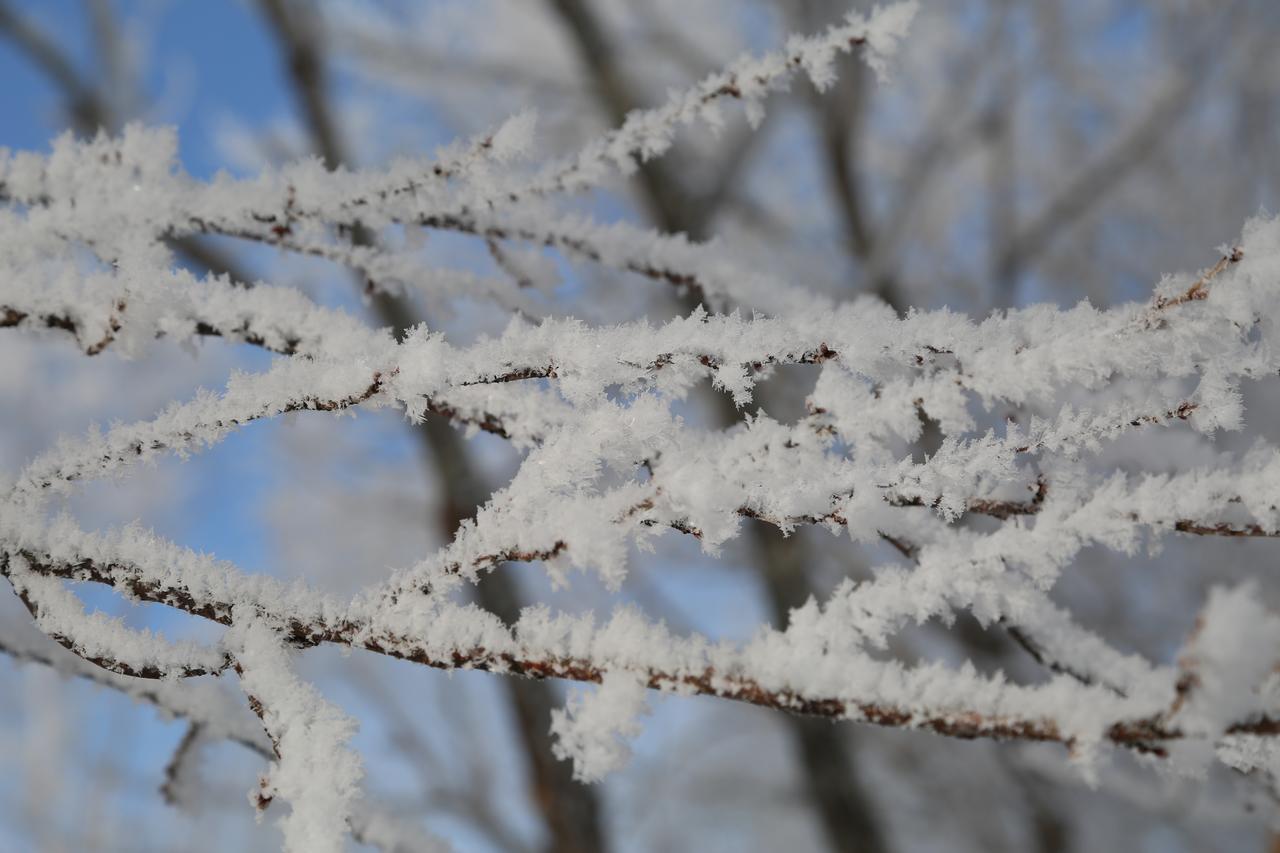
1002, 183
182, 765
1090, 187
839, 112
439, 783
947, 130
663, 201
297, 29
85, 107
112, 54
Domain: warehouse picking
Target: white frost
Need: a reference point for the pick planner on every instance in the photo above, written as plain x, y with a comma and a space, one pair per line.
593, 729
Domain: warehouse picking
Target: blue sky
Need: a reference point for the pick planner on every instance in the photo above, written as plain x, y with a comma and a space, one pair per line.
205, 62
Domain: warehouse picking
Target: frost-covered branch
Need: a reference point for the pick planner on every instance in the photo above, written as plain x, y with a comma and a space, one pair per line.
546, 646
646, 134
982, 450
